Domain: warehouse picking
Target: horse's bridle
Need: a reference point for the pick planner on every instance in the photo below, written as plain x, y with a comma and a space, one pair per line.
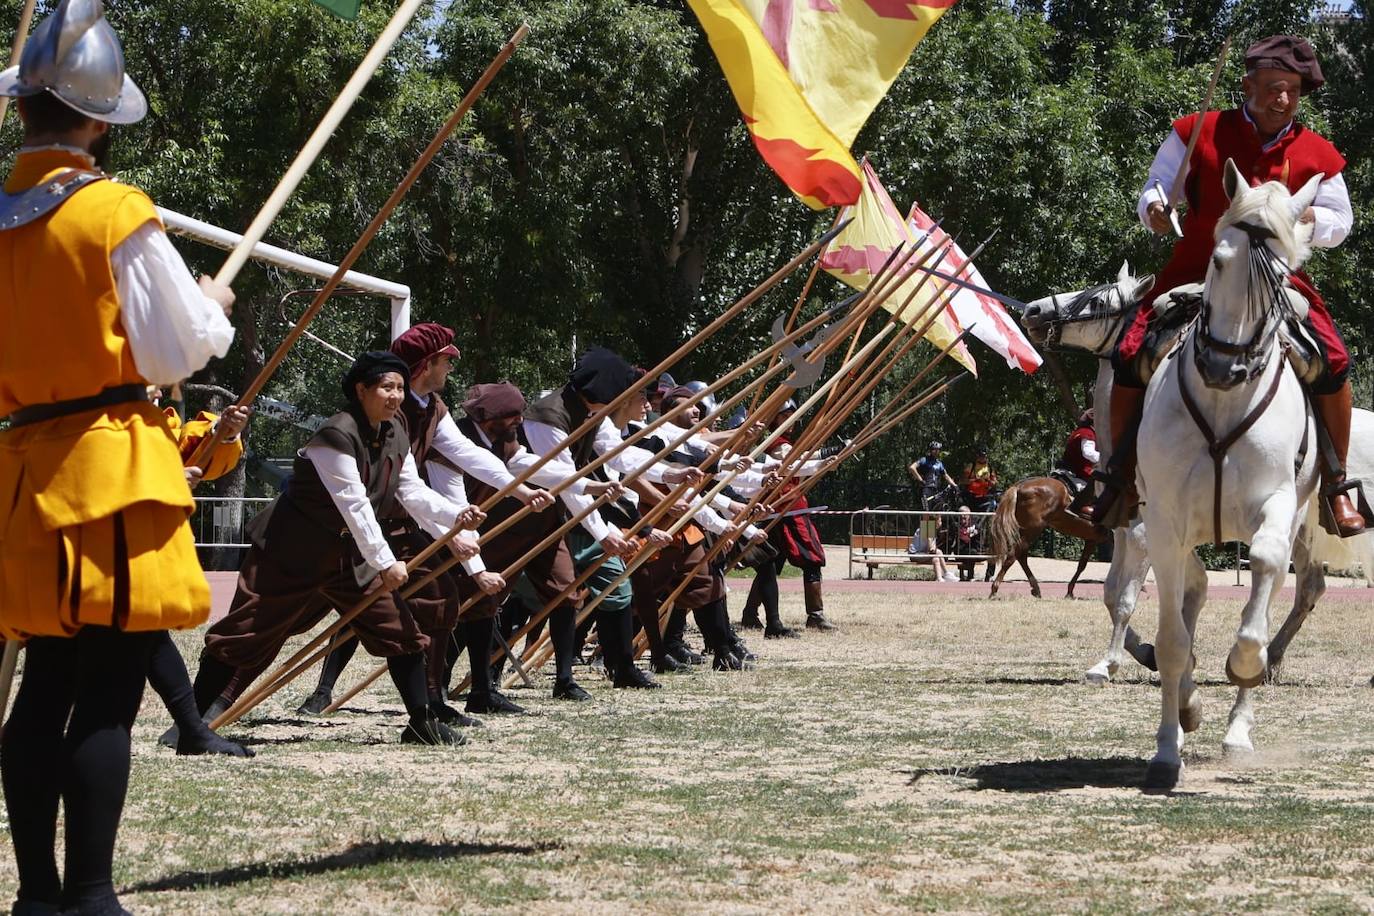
1090, 305
1272, 302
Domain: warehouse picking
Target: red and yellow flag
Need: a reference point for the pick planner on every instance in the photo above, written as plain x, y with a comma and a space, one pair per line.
808, 73
860, 251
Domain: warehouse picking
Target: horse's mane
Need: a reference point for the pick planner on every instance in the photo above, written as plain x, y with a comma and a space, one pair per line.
1268, 206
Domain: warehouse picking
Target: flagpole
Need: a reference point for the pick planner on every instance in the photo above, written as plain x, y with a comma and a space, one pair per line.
250, 394
371, 62
21, 35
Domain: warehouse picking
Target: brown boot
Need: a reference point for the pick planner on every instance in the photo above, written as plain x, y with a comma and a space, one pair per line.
815, 607
1112, 508
1335, 417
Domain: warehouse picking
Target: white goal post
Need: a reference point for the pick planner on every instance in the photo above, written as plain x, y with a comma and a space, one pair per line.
398, 294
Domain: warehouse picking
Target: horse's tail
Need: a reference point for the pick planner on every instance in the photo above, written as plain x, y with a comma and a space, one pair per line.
1006, 533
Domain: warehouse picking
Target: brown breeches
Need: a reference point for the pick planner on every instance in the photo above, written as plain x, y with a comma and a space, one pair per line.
550, 572
272, 604
656, 578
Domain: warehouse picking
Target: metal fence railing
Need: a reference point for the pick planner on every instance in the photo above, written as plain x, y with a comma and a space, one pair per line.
880, 537
218, 529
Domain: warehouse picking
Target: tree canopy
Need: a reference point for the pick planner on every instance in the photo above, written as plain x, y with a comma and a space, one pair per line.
604, 191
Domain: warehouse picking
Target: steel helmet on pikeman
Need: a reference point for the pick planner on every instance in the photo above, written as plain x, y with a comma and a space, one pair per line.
76, 55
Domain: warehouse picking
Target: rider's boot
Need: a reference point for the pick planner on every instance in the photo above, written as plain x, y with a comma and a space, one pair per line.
1335, 417
1111, 510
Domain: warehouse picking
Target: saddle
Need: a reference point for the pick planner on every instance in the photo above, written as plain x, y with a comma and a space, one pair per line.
1080, 490
1177, 308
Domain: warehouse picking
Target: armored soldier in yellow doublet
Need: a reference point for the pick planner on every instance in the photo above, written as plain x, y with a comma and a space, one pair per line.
97, 558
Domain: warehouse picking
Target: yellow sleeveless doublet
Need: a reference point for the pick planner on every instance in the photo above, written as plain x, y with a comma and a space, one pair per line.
93, 506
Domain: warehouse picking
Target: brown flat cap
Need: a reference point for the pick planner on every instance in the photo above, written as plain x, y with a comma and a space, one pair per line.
494, 401
1286, 52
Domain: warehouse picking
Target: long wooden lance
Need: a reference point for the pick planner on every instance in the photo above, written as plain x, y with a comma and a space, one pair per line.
369, 65
1181, 179
201, 455
273, 681
879, 289
21, 35
937, 389
9, 661
702, 424
808, 445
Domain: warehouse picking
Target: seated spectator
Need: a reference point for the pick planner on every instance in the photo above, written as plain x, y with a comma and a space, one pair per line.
968, 542
926, 542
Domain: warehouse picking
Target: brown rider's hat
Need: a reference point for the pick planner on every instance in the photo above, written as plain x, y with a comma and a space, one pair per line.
1286, 52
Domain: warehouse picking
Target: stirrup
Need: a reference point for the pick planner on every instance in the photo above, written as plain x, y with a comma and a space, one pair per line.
1327, 515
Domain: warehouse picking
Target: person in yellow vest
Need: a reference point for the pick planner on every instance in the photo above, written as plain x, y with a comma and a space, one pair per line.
189, 434
96, 557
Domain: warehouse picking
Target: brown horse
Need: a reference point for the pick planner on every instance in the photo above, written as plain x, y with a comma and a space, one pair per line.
1027, 509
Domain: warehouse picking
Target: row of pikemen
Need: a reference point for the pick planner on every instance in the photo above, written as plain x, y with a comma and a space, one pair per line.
382, 479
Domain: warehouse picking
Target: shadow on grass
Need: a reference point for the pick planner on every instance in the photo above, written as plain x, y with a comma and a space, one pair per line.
1046, 775
356, 856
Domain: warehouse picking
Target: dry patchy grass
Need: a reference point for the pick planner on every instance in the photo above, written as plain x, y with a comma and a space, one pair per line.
936, 754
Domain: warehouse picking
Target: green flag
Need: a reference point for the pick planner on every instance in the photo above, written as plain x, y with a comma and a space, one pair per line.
348, 9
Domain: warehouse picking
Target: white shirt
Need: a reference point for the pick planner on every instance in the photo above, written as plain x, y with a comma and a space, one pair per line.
435, 513
545, 439
1331, 206
1090, 451
173, 328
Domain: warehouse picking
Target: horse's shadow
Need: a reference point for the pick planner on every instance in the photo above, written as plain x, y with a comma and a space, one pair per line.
358, 855
1045, 775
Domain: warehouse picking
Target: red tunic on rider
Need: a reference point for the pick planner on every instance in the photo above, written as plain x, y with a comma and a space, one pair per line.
1298, 155
1074, 460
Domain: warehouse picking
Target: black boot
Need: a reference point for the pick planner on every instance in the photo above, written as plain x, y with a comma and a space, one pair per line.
438, 704
675, 636
570, 690
190, 736
408, 674
484, 697
334, 664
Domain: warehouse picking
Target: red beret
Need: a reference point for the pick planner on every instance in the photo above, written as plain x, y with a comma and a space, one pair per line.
493, 401
1286, 52
422, 342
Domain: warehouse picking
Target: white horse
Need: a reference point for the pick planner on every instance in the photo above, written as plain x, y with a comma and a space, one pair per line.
1092, 321
1228, 451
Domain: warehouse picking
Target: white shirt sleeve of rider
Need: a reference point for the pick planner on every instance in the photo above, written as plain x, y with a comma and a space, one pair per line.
174, 328
545, 439
1090, 451
1331, 208
339, 474
1168, 160
631, 459
450, 442
434, 511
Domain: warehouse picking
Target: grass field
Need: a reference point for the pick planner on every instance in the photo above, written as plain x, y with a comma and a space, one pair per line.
937, 754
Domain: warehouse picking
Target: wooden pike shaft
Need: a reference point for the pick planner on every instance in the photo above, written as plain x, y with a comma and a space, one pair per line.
249, 700
250, 394
703, 423
291, 180
877, 292
790, 468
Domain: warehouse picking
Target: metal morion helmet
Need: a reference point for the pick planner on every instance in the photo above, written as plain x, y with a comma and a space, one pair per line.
707, 403
76, 55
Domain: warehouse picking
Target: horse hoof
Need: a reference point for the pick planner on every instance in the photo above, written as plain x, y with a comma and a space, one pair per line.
1239, 681
1093, 679
1146, 656
1237, 750
1162, 777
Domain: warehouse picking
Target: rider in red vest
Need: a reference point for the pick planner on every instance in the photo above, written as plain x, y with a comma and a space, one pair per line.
1080, 449
1266, 144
